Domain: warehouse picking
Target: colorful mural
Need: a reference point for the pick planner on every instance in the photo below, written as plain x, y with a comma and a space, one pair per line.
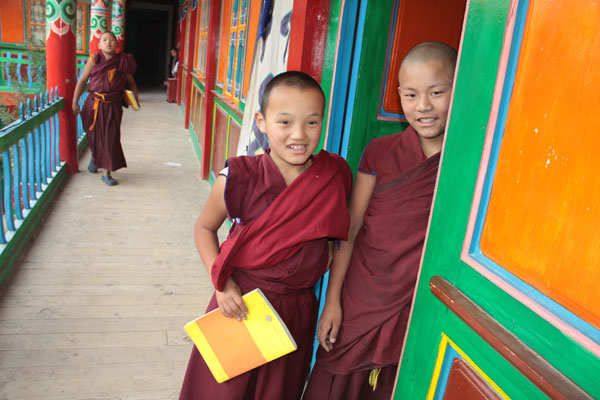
271, 58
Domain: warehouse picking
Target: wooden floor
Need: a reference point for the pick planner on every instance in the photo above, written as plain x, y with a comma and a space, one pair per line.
96, 307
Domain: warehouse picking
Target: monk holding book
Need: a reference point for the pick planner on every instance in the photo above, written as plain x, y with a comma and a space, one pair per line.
102, 111
285, 206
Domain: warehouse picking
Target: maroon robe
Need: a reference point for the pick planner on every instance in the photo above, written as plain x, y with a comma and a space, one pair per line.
269, 217
380, 282
103, 109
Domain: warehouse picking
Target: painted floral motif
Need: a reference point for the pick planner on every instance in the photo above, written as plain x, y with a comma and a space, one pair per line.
99, 17
118, 19
60, 17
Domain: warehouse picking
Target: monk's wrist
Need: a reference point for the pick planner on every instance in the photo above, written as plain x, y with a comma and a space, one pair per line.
332, 299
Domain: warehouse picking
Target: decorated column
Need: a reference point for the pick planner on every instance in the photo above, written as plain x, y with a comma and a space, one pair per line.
60, 71
99, 22
118, 22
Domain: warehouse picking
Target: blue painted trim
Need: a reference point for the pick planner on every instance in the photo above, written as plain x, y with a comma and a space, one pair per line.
449, 355
340, 91
321, 290
360, 30
474, 248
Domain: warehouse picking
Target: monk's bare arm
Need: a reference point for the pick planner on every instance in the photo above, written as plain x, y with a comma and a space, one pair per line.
331, 318
131, 85
85, 75
207, 242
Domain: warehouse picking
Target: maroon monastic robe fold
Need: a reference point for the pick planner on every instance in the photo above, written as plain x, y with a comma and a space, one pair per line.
308, 209
103, 109
380, 282
255, 187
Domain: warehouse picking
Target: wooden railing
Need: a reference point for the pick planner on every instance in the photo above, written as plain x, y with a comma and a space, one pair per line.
31, 171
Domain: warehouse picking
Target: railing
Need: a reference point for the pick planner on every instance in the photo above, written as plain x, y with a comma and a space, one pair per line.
31, 171
19, 69
81, 138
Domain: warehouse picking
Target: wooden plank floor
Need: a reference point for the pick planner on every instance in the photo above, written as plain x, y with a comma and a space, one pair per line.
95, 308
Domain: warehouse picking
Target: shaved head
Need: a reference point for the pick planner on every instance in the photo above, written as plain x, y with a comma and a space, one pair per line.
430, 51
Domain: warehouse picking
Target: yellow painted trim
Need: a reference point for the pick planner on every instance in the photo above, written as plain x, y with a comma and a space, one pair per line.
438, 366
227, 136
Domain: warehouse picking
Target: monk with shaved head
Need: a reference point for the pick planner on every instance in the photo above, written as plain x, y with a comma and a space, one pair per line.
374, 273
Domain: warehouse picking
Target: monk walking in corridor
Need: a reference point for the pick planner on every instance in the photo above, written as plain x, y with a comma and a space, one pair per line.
102, 111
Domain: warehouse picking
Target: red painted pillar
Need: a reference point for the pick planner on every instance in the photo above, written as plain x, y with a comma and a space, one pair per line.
181, 44
60, 71
214, 19
118, 22
99, 22
191, 43
308, 35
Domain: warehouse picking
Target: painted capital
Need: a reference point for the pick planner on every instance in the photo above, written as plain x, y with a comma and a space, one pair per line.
99, 22
118, 22
60, 17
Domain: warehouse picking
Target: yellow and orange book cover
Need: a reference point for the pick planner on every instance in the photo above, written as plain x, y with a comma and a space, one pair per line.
130, 99
231, 347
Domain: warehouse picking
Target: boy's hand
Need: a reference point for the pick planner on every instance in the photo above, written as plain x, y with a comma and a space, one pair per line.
329, 325
230, 301
75, 108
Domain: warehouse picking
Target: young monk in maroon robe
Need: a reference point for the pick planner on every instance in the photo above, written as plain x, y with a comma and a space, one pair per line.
103, 109
373, 275
284, 206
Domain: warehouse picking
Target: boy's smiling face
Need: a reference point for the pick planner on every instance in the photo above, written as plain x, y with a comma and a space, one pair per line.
292, 122
425, 89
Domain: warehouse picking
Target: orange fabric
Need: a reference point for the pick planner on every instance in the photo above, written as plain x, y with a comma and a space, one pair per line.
111, 74
234, 363
100, 97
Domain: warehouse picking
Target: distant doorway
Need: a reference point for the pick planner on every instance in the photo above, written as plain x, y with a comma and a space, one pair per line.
146, 40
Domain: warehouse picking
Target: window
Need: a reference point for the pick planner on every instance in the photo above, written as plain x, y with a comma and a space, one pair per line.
37, 23
236, 50
81, 25
185, 43
201, 40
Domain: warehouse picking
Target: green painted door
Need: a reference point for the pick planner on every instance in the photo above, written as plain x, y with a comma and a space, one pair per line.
507, 303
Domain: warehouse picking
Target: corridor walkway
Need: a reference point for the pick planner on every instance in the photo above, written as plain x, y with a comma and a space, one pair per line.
96, 307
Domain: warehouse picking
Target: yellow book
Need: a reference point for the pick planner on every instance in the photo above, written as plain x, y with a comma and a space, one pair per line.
130, 99
231, 347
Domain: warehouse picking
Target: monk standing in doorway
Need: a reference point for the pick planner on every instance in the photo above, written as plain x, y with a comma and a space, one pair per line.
373, 274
